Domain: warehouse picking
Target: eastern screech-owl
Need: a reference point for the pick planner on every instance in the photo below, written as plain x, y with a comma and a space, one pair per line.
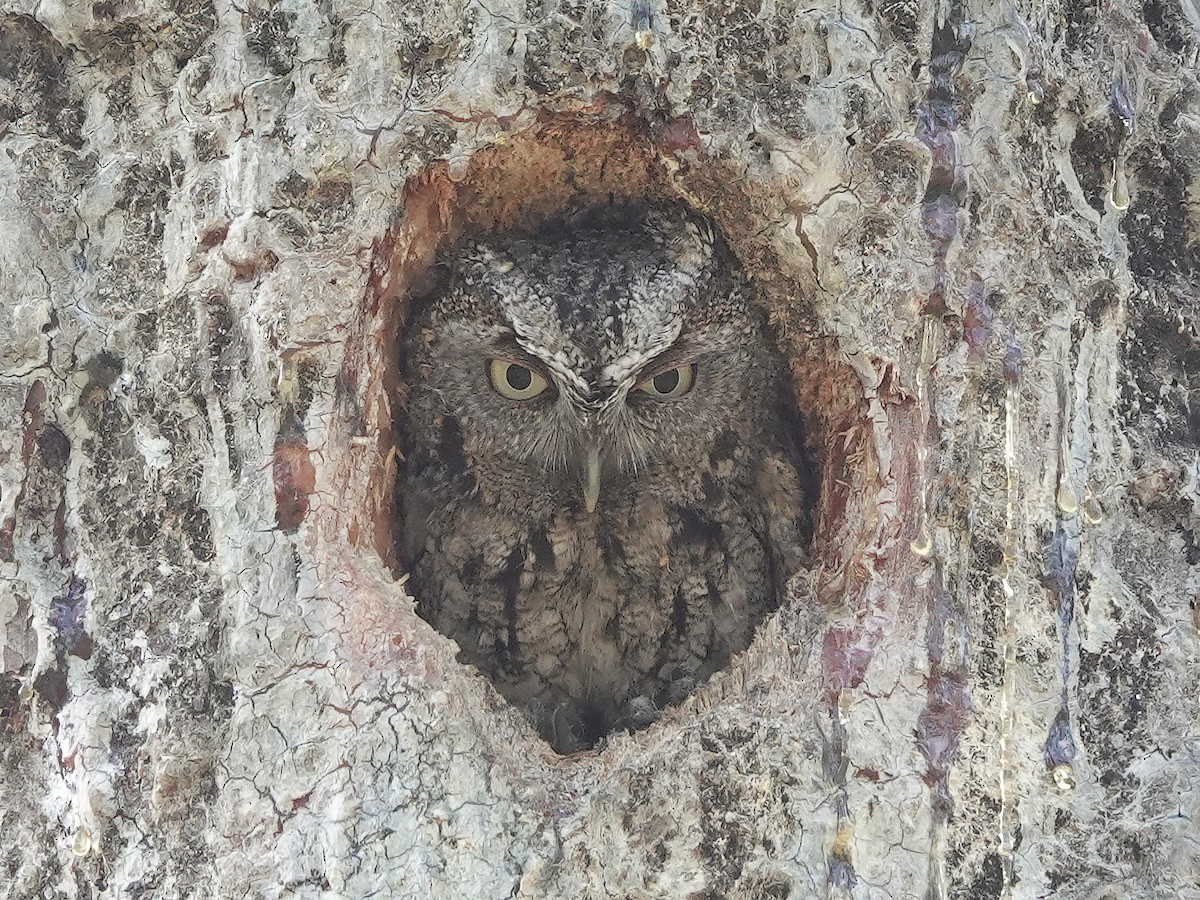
602, 491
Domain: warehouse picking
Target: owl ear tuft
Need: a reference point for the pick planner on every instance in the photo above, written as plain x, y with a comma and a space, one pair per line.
691, 238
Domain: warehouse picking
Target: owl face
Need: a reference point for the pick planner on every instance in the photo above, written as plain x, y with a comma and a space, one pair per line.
600, 492
593, 362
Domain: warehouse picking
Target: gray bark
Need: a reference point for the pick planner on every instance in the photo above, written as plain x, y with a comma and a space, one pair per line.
977, 225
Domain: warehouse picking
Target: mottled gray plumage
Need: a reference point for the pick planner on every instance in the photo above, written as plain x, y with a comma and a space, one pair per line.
595, 620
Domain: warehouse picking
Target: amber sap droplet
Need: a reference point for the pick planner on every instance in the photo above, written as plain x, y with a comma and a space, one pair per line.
83, 842
1064, 777
1068, 503
845, 702
843, 841
922, 544
1118, 194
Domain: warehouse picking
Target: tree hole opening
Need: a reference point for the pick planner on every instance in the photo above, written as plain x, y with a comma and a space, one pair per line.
601, 540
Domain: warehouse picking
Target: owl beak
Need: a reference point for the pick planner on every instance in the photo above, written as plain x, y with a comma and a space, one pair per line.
591, 478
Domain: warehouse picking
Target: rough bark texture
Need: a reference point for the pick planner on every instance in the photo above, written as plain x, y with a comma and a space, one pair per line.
977, 225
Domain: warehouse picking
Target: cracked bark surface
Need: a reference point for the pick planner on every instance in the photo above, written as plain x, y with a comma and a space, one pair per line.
977, 225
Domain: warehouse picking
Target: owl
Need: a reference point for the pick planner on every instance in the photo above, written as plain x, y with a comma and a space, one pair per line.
603, 488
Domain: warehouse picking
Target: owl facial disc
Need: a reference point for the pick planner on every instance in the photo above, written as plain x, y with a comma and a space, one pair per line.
619, 347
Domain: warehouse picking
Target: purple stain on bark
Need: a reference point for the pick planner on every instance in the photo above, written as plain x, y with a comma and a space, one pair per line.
641, 15
1033, 57
947, 701
841, 873
934, 130
845, 655
943, 621
1123, 103
1059, 748
939, 731
940, 218
937, 119
67, 612
35, 423
1062, 558
834, 763
977, 320
1033, 82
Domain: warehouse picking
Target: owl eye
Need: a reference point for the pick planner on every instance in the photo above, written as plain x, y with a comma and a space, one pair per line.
515, 381
670, 384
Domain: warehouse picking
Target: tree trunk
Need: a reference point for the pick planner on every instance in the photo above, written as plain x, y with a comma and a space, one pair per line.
977, 228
